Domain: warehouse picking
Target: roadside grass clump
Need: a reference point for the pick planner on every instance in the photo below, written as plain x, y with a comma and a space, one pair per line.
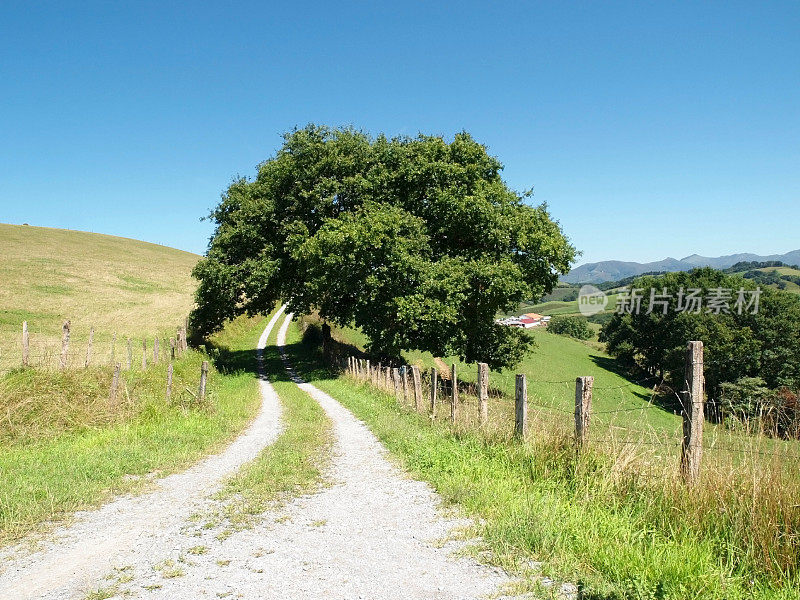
64, 446
294, 464
614, 519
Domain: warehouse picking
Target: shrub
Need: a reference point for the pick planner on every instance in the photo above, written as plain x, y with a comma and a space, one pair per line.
572, 326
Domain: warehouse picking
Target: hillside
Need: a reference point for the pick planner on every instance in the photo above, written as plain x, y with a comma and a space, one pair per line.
113, 284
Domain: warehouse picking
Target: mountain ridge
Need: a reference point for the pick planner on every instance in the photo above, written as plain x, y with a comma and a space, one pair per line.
611, 270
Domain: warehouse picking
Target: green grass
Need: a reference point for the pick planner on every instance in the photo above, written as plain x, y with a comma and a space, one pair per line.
600, 519
295, 462
116, 285
65, 447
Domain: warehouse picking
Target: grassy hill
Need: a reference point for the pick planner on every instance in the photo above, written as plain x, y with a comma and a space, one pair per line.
113, 284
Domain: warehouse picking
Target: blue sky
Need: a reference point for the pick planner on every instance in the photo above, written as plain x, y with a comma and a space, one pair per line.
649, 129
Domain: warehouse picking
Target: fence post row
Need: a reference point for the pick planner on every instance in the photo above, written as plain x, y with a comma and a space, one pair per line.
692, 399
521, 407
434, 380
583, 408
25, 345
64, 344
483, 393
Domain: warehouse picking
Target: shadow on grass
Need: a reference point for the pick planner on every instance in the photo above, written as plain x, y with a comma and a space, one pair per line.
667, 401
305, 357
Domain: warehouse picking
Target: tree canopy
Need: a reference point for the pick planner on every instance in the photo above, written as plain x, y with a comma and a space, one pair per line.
417, 241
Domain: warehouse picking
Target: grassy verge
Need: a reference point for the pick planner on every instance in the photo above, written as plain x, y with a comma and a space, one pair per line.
603, 519
295, 462
65, 447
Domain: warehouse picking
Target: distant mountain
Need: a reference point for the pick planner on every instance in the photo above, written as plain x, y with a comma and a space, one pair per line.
612, 270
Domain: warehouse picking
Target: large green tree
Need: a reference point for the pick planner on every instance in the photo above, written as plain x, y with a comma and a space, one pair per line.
417, 241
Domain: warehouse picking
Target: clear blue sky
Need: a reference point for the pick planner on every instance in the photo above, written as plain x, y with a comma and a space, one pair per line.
650, 130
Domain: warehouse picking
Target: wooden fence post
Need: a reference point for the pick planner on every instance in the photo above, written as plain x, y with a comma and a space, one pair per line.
89, 348
26, 348
169, 382
521, 407
114, 384
64, 344
417, 387
144, 354
388, 379
367, 371
434, 386
155, 350
454, 393
203, 375
692, 398
583, 408
405, 384
396, 382
185, 337
130, 354
172, 348
483, 393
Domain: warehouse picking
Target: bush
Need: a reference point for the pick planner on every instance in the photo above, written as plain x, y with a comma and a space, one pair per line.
572, 326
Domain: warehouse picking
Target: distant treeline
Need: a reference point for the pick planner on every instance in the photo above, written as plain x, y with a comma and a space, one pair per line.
746, 265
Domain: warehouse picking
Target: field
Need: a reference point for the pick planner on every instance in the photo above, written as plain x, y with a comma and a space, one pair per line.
116, 285
565, 307
791, 286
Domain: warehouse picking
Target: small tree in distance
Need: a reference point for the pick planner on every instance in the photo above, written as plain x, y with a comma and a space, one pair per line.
570, 325
417, 241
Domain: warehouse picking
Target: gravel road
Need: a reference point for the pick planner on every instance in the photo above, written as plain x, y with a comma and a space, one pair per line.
371, 533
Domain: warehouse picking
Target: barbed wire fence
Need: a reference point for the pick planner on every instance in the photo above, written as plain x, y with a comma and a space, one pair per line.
442, 396
46, 351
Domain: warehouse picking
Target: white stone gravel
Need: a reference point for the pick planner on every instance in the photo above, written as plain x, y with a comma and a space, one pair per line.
372, 533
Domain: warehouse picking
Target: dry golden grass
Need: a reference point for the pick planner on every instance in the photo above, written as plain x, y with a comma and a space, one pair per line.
116, 285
